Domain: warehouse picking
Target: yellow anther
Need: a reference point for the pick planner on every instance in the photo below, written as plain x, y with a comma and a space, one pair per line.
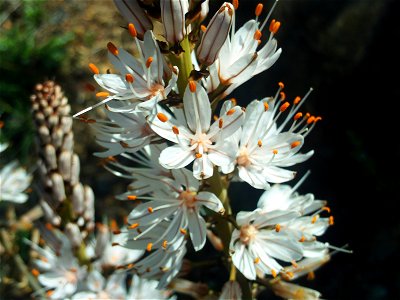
150, 209
296, 100
230, 112
164, 244
192, 86
259, 9
132, 30
294, 264
273, 272
149, 61
49, 226
149, 246
234, 101
129, 78
175, 129
290, 274
259, 143
311, 275
94, 69
277, 227
131, 197
266, 106
112, 48
215, 117
163, 118
275, 152
199, 155
295, 144
298, 116
257, 34
256, 260
314, 219
284, 106
102, 94
203, 28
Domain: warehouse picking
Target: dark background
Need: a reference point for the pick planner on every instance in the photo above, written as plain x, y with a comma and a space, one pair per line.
348, 52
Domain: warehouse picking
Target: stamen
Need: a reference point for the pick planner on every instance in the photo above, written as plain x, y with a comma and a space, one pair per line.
294, 264
49, 293
220, 123
112, 48
283, 96
35, 272
266, 106
297, 116
289, 274
235, 4
164, 244
331, 220
257, 34
230, 112
129, 78
175, 129
102, 94
273, 272
259, 143
274, 26
275, 151
114, 244
295, 144
338, 249
326, 208
49, 226
317, 119
259, 9
149, 61
277, 227
131, 197
314, 219
192, 86
234, 102
199, 155
90, 87
133, 226
311, 275
284, 106
296, 100
132, 30
302, 239
163, 118
116, 232
310, 120
149, 246
150, 209
256, 260
203, 28
94, 69
183, 231
281, 85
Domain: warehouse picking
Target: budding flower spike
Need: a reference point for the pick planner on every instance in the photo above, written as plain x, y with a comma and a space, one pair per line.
143, 81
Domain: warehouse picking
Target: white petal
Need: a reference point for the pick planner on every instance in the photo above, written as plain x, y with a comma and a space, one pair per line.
175, 157
244, 262
203, 167
197, 109
197, 230
210, 200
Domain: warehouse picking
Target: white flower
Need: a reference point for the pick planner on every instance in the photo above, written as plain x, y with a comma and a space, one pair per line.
181, 205
196, 140
263, 148
231, 291
278, 229
60, 274
142, 288
14, 181
144, 81
239, 60
100, 288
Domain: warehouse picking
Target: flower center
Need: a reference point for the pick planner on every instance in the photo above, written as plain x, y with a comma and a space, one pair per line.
157, 89
188, 198
243, 158
71, 276
202, 143
247, 233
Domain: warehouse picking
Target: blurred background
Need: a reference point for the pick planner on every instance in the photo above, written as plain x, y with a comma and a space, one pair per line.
347, 50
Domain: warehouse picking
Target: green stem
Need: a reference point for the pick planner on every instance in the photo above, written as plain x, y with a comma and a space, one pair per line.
184, 62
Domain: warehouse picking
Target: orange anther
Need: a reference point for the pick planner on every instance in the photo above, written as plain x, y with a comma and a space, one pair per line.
284, 106
275, 152
296, 100
183, 231
302, 239
277, 227
149, 246
281, 85
203, 28
94, 69
111, 158
112, 48
290, 274
257, 34
326, 208
35, 272
215, 117
129, 78
234, 102
273, 272
220, 123
266, 106
331, 220
192, 86
149, 61
274, 26
283, 96
317, 119
150, 209
175, 129
298, 116
310, 120
132, 30
307, 116
294, 264
49, 226
163, 118
295, 144
235, 4
314, 219
113, 224
259, 143
131, 197
114, 244
199, 155
102, 94
259, 9
164, 244
311, 275
230, 112
256, 260
49, 293
125, 220
117, 232
133, 226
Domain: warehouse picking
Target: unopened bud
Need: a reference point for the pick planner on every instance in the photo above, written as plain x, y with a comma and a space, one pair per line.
288, 290
50, 156
173, 18
231, 290
49, 213
68, 143
215, 36
89, 203
75, 169
74, 234
57, 137
58, 187
64, 165
52, 120
78, 204
133, 13
66, 124
102, 239
44, 134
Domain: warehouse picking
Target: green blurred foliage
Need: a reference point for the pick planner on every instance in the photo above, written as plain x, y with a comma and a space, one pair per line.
29, 53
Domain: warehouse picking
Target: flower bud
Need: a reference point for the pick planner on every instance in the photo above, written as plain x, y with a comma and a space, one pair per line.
57, 137
173, 18
50, 156
78, 199
215, 35
58, 187
288, 290
44, 134
133, 13
64, 165
75, 169
89, 204
68, 143
49, 213
74, 234
102, 239
231, 290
